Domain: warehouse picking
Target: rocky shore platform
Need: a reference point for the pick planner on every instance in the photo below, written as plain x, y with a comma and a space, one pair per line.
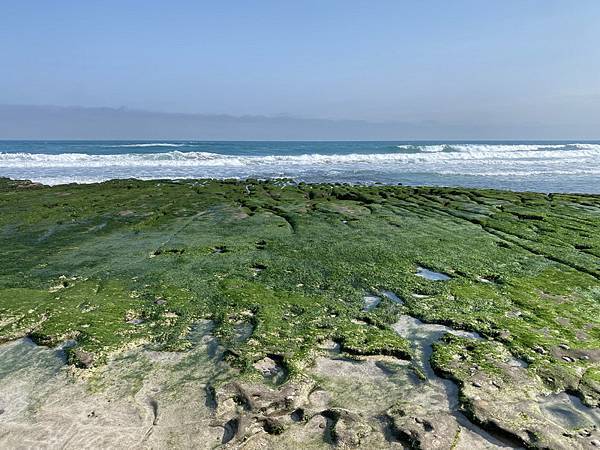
274, 314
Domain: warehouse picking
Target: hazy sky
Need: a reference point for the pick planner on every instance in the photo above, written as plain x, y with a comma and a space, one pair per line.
463, 62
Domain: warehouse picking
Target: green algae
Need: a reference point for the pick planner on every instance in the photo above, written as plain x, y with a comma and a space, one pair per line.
133, 262
471, 352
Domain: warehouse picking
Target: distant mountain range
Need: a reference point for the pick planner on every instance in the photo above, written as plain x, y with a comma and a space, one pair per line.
74, 122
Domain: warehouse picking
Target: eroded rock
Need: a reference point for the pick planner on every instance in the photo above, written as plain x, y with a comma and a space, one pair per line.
255, 407
424, 428
504, 396
347, 429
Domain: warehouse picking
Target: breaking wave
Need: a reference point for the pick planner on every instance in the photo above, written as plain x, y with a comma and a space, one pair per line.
430, 156
150, 144
558, 166
502, 148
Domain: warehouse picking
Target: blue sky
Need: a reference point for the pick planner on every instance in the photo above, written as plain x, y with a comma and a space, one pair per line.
469, 62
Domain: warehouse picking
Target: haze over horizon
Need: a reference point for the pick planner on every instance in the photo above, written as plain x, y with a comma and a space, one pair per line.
313, 70
47, 122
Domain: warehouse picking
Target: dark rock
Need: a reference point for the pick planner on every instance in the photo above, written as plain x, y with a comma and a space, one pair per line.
424, 428
82, 359
348, 428
540, 349
230, 429
297, 415
273, 426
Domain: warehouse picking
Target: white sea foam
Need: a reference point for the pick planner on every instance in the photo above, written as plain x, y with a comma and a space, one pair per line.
522, 173
496, 148
470, 154
150, 144
517, 161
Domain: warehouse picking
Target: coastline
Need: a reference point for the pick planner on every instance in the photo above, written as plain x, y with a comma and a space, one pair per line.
283, 180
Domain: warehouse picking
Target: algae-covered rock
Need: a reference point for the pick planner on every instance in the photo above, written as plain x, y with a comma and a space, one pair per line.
279, 268
589, 386
81, 358
501, 393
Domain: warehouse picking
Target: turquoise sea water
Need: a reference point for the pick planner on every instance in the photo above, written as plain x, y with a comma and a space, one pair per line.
544, 166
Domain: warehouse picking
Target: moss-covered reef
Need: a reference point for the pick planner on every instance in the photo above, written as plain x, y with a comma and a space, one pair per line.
280, 267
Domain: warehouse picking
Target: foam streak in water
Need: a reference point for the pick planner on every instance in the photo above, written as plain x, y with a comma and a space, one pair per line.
573, 167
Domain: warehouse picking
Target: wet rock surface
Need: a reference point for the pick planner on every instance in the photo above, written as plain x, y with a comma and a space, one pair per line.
423, 428
505, 286
370, 402
371, 302
431, 275
501, 393
272, 368
139, 399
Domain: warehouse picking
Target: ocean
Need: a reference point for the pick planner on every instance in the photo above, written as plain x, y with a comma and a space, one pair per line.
543, 166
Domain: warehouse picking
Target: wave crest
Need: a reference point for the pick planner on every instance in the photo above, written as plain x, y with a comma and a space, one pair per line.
432, 155
500, 148
508, 161
145, 145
